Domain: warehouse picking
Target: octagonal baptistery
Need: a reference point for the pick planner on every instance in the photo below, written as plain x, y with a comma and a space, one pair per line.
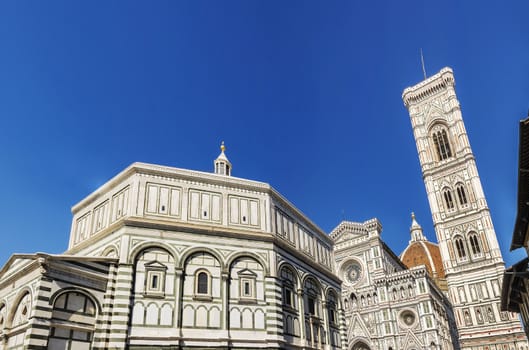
207, 260
422, 252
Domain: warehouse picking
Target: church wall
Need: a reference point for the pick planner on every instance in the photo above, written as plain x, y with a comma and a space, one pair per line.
167, 198
385, 304
18, 294
31, 302
170, 197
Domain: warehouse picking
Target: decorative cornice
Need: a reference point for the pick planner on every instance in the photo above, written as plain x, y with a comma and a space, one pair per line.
171, 172
356, 228
428, 87
198, 177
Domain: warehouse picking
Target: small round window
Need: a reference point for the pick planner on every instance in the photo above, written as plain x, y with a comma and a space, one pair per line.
408, 318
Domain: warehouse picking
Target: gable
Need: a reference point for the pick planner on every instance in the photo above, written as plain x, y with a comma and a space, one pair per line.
347, 231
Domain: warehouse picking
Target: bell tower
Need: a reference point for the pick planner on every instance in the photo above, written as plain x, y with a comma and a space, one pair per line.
469, 248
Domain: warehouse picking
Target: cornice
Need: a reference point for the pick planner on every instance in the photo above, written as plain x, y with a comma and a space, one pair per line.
356, 228
428, 87
448, 166
42, 261
199, 177
30, 266
171, 172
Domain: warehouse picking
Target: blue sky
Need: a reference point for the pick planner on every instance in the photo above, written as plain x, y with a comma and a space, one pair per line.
306, 95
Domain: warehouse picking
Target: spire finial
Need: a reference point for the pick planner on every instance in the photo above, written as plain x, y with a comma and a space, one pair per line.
416, 230
422, 62
222, 147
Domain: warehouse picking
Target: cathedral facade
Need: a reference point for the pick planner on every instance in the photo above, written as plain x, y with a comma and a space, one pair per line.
167, 258
386, 304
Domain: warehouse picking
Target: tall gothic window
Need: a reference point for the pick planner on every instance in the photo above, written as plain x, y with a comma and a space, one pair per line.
442, 146
449, 202
474, 243
460, 248
461, 195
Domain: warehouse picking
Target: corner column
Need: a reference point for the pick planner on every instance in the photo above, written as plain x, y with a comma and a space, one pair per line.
121, 309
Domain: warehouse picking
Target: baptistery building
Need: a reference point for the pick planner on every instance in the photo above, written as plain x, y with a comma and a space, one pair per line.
161, 257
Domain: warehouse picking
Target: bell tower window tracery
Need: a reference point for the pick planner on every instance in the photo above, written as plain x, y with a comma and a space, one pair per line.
442, 144
461, 195
460, 249
474, 244
449, 202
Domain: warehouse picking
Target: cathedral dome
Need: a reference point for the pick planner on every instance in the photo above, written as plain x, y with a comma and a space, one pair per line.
422, 252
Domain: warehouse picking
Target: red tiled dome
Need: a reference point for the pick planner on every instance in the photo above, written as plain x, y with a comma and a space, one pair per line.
422, 252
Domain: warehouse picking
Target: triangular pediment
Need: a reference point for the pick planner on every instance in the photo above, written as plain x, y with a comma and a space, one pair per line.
357, 328
434, 112
348, 230
155, 265
15, 264
411, 342
247, 272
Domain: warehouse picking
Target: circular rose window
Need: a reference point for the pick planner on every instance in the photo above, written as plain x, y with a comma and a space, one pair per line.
408, 317
352, 272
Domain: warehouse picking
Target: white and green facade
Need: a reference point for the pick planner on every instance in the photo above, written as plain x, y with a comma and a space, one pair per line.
161, 257
386, 305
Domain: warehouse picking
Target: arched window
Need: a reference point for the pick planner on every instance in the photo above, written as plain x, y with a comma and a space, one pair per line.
354, 301
202, 284
290, 302
73, 321
312, 297
474, 244
460, 248
449, 202
462, 195
442, 146
289, 288
332, 304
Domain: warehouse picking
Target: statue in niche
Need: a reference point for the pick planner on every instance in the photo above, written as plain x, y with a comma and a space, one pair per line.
479, 317
490, 314
467, 317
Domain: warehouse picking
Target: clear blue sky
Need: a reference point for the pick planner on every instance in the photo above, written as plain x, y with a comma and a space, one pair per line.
306, 95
